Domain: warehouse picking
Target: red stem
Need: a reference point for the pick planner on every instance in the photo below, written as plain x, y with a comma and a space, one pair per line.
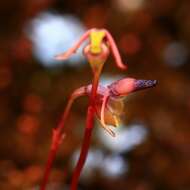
57, 136
56, 141
48, 167
57, 133
84, 149
87, 135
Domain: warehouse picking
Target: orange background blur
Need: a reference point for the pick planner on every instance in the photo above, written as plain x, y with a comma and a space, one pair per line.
153, 37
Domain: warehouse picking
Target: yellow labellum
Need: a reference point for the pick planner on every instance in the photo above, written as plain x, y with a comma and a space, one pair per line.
96, 38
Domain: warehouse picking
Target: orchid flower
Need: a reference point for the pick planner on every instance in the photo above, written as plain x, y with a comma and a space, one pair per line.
100, 39
106, 103
96, 51
109, 102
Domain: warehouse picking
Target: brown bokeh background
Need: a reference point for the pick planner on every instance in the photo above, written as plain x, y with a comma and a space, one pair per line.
154, 38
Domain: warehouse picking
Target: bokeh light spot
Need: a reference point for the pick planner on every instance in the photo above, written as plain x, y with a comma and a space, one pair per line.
27, 124
52, 34
114, 166
33, 103
5, 76
129, 5
130, 44
175, 54
126, 139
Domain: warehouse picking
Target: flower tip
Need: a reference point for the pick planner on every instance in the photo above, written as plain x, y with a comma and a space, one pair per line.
151, 83
155, 82
120, 64
112, 133
143, 84
123, 67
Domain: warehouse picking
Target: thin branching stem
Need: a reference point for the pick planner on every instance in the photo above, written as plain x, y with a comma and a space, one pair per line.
57, 137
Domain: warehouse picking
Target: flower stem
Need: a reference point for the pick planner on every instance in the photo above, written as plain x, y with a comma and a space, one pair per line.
84, 149
48, 167
57, 138
87, 135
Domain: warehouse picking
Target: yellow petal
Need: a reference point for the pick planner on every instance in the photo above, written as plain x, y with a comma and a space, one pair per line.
96, 38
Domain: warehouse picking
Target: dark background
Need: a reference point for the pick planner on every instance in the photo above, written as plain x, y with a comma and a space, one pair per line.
154, 38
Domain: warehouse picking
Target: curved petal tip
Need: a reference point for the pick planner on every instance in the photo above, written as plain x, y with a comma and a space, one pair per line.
143, 84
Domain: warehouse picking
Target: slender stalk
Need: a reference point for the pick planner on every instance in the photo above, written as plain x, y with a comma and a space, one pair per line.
56, 141
87, 135
48, 167
84, 149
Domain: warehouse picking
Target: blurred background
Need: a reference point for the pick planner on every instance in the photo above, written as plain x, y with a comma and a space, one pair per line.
152, 147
